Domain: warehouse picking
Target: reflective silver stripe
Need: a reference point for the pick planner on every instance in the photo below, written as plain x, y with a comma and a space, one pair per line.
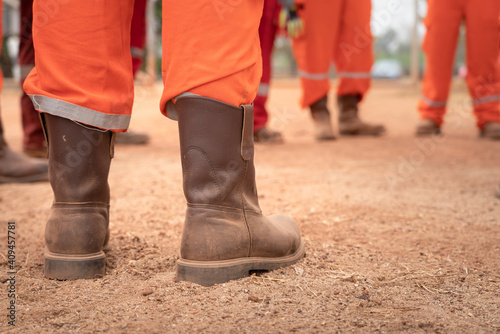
263, 89
170, 107
355, 75
137, 52
25, 70
431, 103
486, 99
313, 76
80, 114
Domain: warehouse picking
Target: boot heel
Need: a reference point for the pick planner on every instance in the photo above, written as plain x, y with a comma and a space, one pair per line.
70, 267
210, 273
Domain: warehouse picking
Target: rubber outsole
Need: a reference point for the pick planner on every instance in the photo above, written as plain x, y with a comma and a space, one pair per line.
71, 267
208, 273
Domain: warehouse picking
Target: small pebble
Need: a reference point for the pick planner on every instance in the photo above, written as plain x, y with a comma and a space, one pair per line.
253, 298
147, 292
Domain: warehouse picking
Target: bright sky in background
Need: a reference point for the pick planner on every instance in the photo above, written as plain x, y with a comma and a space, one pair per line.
396, 14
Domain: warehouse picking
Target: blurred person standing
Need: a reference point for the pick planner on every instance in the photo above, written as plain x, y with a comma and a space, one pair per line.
272, 20
338, 31
443, 21
267, 33
34, 143
16, 167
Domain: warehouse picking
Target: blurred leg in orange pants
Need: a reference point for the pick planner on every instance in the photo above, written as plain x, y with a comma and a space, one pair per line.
267, 33
337, 31
33, 138
211, 70
137, 44
15, 167
138, 34
483, 77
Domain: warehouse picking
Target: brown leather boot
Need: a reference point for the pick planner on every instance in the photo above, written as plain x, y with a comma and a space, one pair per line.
349, 122
427, 127
321, 118
267, 136
15, 167
225, 234
77, 228
491, 130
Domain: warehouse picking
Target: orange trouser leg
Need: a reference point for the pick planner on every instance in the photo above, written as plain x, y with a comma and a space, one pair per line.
267, 34
442, 22
211, 48
83, 64
353, 54
483, 76
313, 51
138, 34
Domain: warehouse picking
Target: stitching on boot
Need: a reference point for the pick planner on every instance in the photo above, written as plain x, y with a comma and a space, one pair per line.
212, 169
250, 241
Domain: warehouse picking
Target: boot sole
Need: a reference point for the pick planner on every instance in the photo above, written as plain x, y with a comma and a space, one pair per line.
71, 267
208, 273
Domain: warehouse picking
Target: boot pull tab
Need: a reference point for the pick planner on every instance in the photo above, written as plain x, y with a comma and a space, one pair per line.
247, 133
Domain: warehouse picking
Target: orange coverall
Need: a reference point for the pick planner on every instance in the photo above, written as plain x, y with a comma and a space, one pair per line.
84, 69
338, 31
483, 71
32, 128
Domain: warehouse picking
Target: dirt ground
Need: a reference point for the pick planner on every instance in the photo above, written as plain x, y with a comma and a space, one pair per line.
402, 234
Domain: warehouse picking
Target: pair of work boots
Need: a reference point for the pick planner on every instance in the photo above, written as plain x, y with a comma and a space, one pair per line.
427, 127
225, 234
18, 168
349, 122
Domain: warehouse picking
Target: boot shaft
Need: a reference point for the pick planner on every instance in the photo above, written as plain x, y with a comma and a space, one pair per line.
320, 105
348, 107
216, 141
79, 160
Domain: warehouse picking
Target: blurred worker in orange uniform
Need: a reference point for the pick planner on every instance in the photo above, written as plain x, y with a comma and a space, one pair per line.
33, 138
483, 72
34, 143
211, 71
267, 33
16, 167
276, 14
338, 31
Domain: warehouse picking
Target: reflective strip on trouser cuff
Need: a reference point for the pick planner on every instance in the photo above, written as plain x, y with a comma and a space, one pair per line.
171, 110
25, 70
486, 99
136, 52
263, 90
313, 76
435, 104
355, 75
80, 114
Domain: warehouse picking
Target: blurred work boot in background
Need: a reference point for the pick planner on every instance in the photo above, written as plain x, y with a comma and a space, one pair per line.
15, 167
427, 127
491, 130
322, 122
349, 122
